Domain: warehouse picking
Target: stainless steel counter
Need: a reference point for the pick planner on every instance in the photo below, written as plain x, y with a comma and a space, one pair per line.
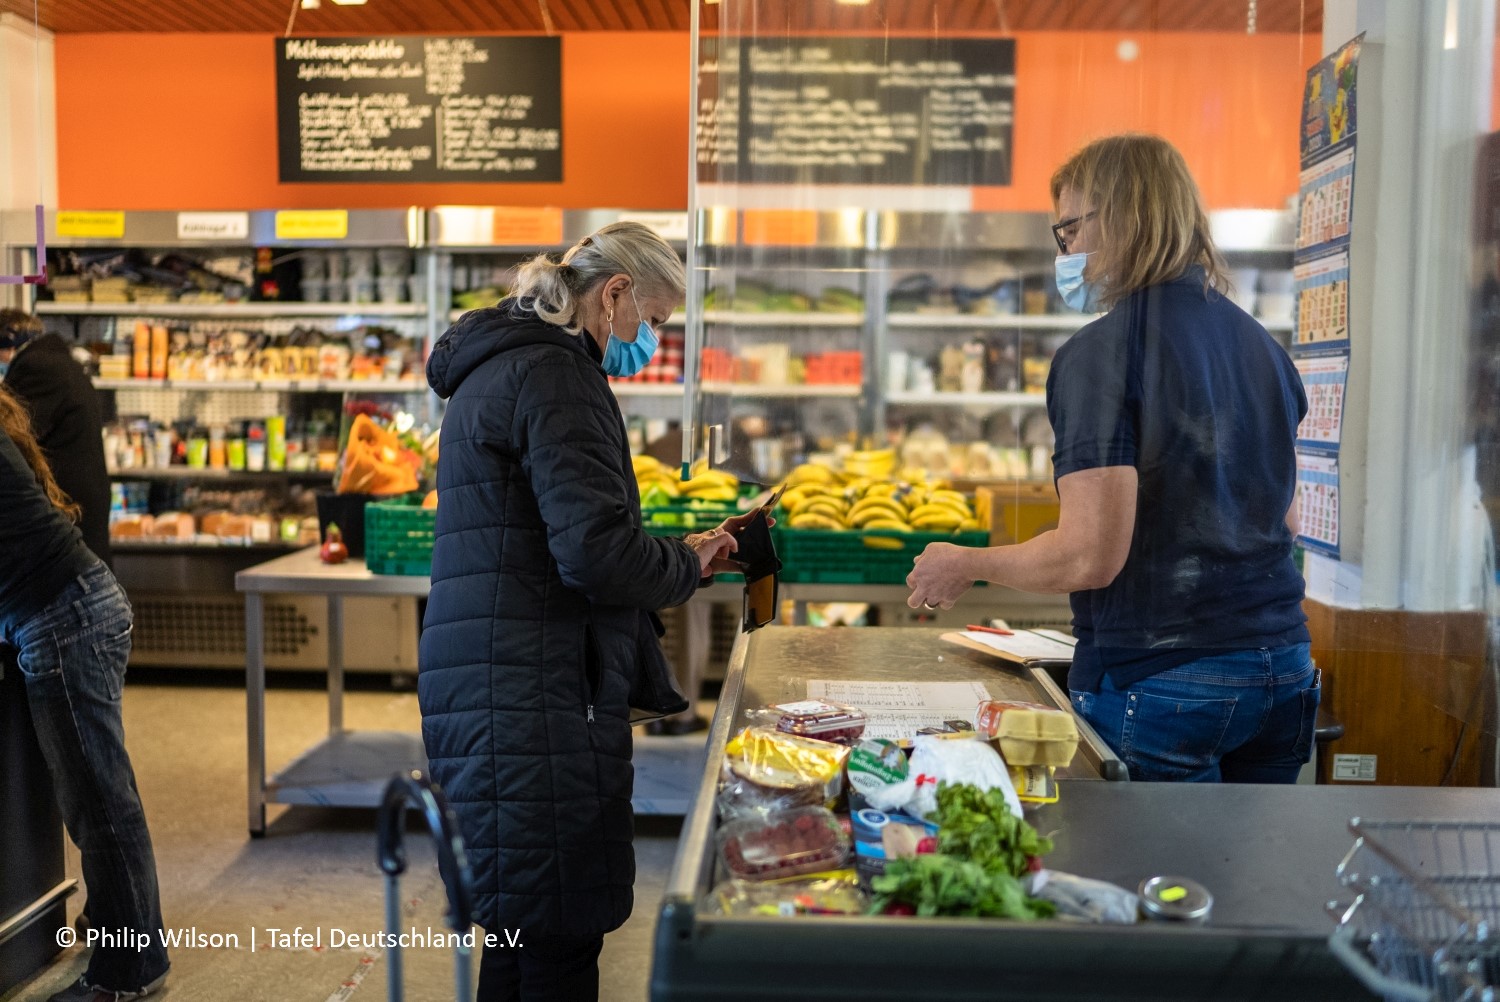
1268, 854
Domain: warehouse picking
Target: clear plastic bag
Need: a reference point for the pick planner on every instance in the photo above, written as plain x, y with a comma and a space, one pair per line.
834, 893
1086, 899
765, 770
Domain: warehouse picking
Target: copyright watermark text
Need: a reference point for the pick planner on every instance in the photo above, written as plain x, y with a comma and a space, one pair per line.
298, 938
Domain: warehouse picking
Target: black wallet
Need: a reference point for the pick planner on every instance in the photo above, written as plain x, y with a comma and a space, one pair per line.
757, 555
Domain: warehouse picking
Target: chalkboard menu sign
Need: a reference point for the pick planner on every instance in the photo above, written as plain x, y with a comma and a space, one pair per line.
845, 110
419, 108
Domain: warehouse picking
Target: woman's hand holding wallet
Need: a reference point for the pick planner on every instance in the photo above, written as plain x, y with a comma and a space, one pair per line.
715, 546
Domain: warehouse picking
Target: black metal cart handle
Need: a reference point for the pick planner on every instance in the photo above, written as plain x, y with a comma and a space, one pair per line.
414, 789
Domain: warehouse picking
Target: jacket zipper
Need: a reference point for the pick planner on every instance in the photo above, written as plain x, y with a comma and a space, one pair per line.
591, 657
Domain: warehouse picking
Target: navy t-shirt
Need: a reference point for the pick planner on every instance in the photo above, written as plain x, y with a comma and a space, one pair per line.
1186, 387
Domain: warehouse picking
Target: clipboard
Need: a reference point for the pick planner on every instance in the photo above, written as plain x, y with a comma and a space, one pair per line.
1050, 653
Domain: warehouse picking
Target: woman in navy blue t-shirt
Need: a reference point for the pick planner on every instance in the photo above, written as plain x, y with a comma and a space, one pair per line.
1175, 416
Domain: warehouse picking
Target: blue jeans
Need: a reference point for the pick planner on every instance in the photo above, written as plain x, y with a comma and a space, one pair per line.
1237, 717
73, 656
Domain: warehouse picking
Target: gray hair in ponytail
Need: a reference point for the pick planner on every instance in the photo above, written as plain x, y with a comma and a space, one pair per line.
552, 288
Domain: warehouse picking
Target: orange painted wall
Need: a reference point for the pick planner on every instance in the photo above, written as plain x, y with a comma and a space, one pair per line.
179, 121
1229, 102
189, 121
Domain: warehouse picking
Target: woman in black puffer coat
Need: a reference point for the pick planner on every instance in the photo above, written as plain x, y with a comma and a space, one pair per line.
543, 591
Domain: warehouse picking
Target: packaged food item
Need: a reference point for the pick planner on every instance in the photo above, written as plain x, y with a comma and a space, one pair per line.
815, 718
833, 893
783, 844
881, 836
766, 770
1029, 733
1035, 784
879, 776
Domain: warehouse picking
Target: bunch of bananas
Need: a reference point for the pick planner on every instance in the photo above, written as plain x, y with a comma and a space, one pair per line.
656, 479
823, 501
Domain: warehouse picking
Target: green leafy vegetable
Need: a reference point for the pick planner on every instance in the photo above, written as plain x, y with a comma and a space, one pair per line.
945, 885
977, 825
982, 849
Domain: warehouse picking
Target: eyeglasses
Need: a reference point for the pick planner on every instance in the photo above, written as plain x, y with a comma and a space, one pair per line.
1076, 221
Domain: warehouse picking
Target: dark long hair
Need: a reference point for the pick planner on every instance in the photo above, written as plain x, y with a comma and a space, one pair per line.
16, 424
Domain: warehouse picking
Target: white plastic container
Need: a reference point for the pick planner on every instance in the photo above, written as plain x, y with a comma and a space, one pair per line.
392, 290
395, 262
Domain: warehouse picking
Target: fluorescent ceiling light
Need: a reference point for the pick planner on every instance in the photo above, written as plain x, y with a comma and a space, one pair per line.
350, 3
854, 3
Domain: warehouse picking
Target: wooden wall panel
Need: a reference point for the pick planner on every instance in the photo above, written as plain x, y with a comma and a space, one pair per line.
1409, 688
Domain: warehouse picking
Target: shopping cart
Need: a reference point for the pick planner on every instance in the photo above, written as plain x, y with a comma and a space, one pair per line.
413, 789
1426, 905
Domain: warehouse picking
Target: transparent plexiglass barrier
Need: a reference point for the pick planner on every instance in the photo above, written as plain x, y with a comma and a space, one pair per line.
872, 283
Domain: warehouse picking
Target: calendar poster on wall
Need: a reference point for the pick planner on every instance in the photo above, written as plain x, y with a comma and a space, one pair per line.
1321, 340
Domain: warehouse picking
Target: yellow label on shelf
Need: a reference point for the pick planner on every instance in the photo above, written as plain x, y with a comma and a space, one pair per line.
312, 224
75, 223
528, 227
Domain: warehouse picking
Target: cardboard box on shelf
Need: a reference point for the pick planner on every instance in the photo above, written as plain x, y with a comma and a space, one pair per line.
1018, 511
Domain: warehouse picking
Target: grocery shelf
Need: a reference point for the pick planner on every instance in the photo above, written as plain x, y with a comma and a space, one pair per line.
1013, 321
990, 321
809, 319
987, 399
646, 389
200, 544
241, 310
814, 390
675, 320
211, 473
265, 385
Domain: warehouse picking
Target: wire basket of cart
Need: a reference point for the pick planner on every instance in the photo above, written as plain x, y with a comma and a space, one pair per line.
1424, 923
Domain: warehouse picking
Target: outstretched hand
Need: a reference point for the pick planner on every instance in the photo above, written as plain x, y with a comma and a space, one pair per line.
940, 576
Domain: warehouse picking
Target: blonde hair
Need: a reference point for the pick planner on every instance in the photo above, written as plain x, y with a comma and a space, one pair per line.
1151, 222
15, 423
552, 288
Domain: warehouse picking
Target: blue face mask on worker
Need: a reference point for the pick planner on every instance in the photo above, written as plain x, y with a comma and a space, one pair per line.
1077, 291
626, 358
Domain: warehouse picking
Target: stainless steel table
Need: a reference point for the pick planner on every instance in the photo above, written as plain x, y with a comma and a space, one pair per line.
351, 768
348, 768
1268, 854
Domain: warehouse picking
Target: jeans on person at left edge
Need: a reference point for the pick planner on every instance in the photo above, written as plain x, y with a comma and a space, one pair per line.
1244, 716
73, 657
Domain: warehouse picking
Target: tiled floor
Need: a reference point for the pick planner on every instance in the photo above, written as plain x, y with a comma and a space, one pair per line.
315, 869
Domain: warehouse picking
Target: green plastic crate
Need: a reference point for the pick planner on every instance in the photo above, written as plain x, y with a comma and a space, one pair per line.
858, 556
682, 517
398, 538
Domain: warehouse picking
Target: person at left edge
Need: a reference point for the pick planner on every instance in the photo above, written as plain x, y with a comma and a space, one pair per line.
65, 417
68, 623
541, 613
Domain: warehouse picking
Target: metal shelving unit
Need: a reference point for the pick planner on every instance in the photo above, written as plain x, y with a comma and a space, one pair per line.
985, 399
265, 385
236, 311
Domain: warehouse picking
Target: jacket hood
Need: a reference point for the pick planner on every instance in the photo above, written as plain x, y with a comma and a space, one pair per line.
480, 335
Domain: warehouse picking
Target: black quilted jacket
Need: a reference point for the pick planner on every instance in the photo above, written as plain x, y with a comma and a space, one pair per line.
541, 582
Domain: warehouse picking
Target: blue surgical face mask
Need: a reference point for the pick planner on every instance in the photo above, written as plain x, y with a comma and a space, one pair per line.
626, 358
4, 368
1077, 291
